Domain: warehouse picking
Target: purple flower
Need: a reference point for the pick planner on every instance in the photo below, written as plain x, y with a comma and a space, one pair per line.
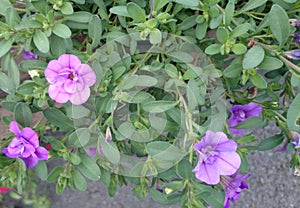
297, 38
69, 79
240, 113
25, 146
293, 54
29, 55
295, 139
233, 185
216, 156
295, 22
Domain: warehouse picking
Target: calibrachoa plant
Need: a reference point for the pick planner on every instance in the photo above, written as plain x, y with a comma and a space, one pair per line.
161, 94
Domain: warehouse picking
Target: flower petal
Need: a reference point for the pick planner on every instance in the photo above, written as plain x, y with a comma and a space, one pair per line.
252, 109
80, 97
69, 61
52, 71
30, 136
227, 163
56, 94
226, 146
69, 86
31, 161
28, 150
207, 173
87, 74
14, 128
41, 153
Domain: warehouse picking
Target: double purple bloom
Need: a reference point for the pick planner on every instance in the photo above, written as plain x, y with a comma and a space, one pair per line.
233, 186
216, 156
240, 113
25, 146
69, 79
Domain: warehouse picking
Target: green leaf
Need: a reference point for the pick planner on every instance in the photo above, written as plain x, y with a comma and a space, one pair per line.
136, 12
158, 4
79, 181
270, 63
187, 23
159, 106
239, 49
258, 81
41, 170
67, 8
229, 11
54, 174
279, 24
222, 35
89, 168
138, 80
6, 84
102, 9
62, 30
252, 123
80, 137
111, 152
185, 169
81, 17
235, 68
22, 114
58, 118
155, 36
201, 30
252, 4
253, 57
188, 3
41, 41
240, 30
181, 56
293, 115
95, 29
75, 159
14, 73
163, 151
290, 1
27, 65
271, 142
211, 196
119, 10
213, 49
5, 46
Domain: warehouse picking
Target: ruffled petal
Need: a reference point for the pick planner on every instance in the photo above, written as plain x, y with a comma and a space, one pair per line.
56, 94
226, 146
30, 136
14, 128
70, 86
207, 173
214, 139
52, 71
69, 61
41, 153
87, 74
28, 150
8, 154
80, 97
252, 109
227, 163
31, 161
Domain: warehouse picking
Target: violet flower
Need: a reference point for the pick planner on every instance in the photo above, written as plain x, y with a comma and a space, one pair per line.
28, 55
233, 186
25, 146
295, 139
293, 54
297, 38
240, 113
216, 156
69, 79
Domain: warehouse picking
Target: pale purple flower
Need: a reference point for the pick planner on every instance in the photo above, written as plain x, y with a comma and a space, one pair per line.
28, 55
295, 139
25, 146
295, 22
216, 156
293, 54
233, 186
69, 79
297, 38
240, 113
